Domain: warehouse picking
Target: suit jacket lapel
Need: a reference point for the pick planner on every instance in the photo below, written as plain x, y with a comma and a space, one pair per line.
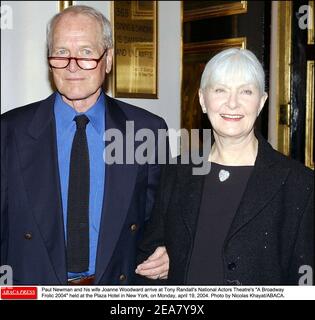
190, 190
119, 185
39, 164
266, 179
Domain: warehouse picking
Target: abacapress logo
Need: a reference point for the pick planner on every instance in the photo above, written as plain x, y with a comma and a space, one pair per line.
14, 293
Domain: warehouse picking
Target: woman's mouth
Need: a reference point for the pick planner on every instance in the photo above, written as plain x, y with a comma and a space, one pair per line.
231, 117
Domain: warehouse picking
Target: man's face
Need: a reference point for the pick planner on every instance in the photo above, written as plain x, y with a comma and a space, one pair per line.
77, 35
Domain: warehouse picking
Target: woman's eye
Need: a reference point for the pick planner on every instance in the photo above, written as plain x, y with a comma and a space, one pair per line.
247, 91
219, 90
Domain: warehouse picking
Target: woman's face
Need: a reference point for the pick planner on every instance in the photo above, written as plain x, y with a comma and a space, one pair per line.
232, 108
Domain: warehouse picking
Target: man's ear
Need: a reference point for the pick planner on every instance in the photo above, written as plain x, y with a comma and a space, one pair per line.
109, 60
262, 102
202, 101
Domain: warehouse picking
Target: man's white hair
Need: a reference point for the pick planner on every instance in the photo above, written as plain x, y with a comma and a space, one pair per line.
106, 39
233, 64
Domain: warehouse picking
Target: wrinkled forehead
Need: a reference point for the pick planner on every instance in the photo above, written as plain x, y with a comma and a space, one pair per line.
76, 24
74, 18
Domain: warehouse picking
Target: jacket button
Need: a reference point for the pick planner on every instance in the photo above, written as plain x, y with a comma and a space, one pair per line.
233, 282
133, 227
231, 266
122, 277
28, 236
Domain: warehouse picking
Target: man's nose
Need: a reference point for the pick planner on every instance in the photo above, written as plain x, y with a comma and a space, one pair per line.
73, 66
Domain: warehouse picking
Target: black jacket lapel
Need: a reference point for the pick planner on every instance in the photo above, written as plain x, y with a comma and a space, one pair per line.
266, 179
192, 187
119, 185
39, 164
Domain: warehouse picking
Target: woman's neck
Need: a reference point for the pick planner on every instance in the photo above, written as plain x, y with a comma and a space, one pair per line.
234, 152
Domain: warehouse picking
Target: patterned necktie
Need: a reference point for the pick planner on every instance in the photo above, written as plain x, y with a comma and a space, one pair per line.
78, 200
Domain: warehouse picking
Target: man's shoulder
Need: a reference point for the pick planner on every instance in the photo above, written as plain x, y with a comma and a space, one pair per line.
138, 114
23, 113
19, 117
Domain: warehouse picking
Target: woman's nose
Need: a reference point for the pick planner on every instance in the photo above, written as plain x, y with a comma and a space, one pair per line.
232, 100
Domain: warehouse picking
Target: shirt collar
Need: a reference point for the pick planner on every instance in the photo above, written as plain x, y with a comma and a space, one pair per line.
96, 114
64, 113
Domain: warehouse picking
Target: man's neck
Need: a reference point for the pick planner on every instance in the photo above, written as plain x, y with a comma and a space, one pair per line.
83, 105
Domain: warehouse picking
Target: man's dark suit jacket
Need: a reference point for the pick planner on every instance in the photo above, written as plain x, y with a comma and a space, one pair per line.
271, 236
32, 229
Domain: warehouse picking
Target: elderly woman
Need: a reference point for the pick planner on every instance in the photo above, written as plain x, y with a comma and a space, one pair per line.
250, 219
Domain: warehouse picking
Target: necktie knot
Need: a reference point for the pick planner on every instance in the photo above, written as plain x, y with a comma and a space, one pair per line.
81, 121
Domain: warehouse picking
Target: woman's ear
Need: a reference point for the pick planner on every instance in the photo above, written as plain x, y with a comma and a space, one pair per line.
262, 102
202, 101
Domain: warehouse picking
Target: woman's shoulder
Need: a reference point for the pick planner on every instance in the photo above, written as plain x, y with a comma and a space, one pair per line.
299, 173
175, 167
297, 170
181, 170
187, 165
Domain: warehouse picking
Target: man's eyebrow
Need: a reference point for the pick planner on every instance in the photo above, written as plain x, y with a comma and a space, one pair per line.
79, 48
88, 46
59, 47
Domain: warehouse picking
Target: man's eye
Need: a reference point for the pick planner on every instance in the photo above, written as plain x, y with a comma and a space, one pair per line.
61, 52
219, 90
87, 52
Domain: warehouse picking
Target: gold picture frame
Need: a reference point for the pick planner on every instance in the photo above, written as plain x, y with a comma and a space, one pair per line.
284, 72
210, 9
135, 72
309, 129
195, 57
64, 5
310, 31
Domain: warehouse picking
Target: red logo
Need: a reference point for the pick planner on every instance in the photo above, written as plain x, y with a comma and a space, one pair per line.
18, 293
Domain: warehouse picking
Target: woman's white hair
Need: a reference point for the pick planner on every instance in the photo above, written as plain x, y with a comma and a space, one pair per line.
233, 64
106, 39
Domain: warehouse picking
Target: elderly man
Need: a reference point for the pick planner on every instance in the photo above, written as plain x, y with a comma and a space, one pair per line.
66, 215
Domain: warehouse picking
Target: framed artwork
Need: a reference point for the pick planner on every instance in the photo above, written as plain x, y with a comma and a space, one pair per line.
310, 29
197, 10
64, 5
135, 39
195, 57
310, 96
309, 130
